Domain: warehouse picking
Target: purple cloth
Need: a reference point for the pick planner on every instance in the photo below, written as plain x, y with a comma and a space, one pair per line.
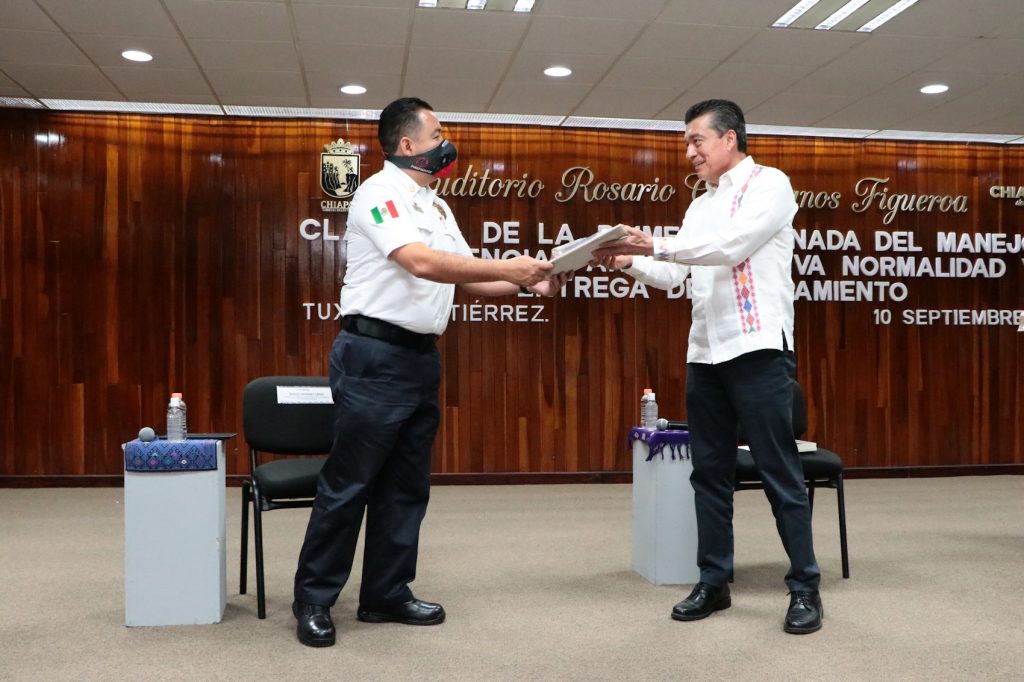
171, 455
676, 442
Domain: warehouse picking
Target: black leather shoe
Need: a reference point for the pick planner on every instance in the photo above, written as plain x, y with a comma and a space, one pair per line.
805, 612
315, 626
412, 612
702, 602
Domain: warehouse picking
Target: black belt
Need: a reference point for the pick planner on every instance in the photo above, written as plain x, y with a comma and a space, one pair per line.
385, 331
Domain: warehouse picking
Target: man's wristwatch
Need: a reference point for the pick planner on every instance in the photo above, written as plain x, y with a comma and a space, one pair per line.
524, 291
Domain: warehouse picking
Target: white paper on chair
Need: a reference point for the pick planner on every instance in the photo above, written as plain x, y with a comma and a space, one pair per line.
801, 446
578, 253
304, 395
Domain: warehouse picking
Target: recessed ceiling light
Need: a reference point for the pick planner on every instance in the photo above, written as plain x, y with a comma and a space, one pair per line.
137, 56
934, 89
523, 6
557, 71
428, 3
476, 4
352, 89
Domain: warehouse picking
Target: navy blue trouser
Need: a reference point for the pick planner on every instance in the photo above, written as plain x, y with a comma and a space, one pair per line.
757, 389
387, 415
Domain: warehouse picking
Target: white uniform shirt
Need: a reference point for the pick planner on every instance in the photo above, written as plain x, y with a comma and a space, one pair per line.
736, 243
389, 210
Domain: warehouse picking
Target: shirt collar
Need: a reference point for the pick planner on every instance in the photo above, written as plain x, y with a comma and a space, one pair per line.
401, 179
738, 173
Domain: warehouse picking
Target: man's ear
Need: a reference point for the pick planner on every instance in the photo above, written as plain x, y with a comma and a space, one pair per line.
405, 146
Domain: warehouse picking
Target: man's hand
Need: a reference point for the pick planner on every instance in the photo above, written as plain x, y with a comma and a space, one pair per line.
636, 243
614, 262
526, 271
552, 285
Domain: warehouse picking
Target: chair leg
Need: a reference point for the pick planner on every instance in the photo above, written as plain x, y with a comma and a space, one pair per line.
257, 527
810, 496
841, 503
244, 558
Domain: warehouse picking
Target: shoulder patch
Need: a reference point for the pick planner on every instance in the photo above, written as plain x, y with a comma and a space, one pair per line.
384, 212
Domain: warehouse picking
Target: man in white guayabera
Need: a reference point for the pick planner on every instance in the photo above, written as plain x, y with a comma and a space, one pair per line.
736, 243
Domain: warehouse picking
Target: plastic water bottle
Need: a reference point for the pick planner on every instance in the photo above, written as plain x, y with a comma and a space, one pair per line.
176, 418
648, 409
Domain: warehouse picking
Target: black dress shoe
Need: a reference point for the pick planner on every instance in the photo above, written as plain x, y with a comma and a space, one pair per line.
805, 612
412, 612
315, 626
702, 602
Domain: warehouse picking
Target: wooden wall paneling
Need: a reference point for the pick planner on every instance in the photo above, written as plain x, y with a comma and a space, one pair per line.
145, 254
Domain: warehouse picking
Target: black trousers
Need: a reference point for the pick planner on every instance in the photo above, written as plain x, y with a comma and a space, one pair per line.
756, 388
387, 416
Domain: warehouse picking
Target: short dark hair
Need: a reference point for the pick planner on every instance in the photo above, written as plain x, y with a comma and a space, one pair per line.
725, 116
399, 119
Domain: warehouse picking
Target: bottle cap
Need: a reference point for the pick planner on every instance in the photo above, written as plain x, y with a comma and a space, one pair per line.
648, 390
176, 395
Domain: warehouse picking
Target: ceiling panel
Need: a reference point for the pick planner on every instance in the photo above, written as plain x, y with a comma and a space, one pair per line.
24, 15
587, 69
717, 13
809, 109
450, 94
983, 55
323, 91
352, 62
664, 72
483, 66
570, 34
900, 105
111, 17
788, 46
144, 83
246, 55
748, 98
904, 53
351, 3
351, 25
221, 19
606, 9
39, 47
53, 77
839, 78
471, 30
963, 18
9, 88
689, 41
240, 83
624, 102
168, 53
755, 77
537, 97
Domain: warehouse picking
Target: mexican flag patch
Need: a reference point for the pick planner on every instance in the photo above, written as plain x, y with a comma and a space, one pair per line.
382, 213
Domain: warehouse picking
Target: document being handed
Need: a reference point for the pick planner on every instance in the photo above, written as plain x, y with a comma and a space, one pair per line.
576, 254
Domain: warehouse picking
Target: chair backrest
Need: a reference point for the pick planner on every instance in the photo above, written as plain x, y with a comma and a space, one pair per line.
286, 428
799, 414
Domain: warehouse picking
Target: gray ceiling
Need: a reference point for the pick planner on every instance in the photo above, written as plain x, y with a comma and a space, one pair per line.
645, 59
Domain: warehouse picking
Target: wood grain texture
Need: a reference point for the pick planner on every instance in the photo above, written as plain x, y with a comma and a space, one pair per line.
141, 255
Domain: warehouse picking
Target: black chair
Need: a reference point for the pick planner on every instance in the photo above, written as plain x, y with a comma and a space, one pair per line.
822, 469
275, 428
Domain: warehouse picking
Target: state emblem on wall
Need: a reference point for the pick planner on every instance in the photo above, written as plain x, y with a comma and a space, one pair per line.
339, 174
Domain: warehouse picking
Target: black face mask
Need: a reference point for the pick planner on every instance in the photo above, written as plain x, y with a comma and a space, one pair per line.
437, 162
